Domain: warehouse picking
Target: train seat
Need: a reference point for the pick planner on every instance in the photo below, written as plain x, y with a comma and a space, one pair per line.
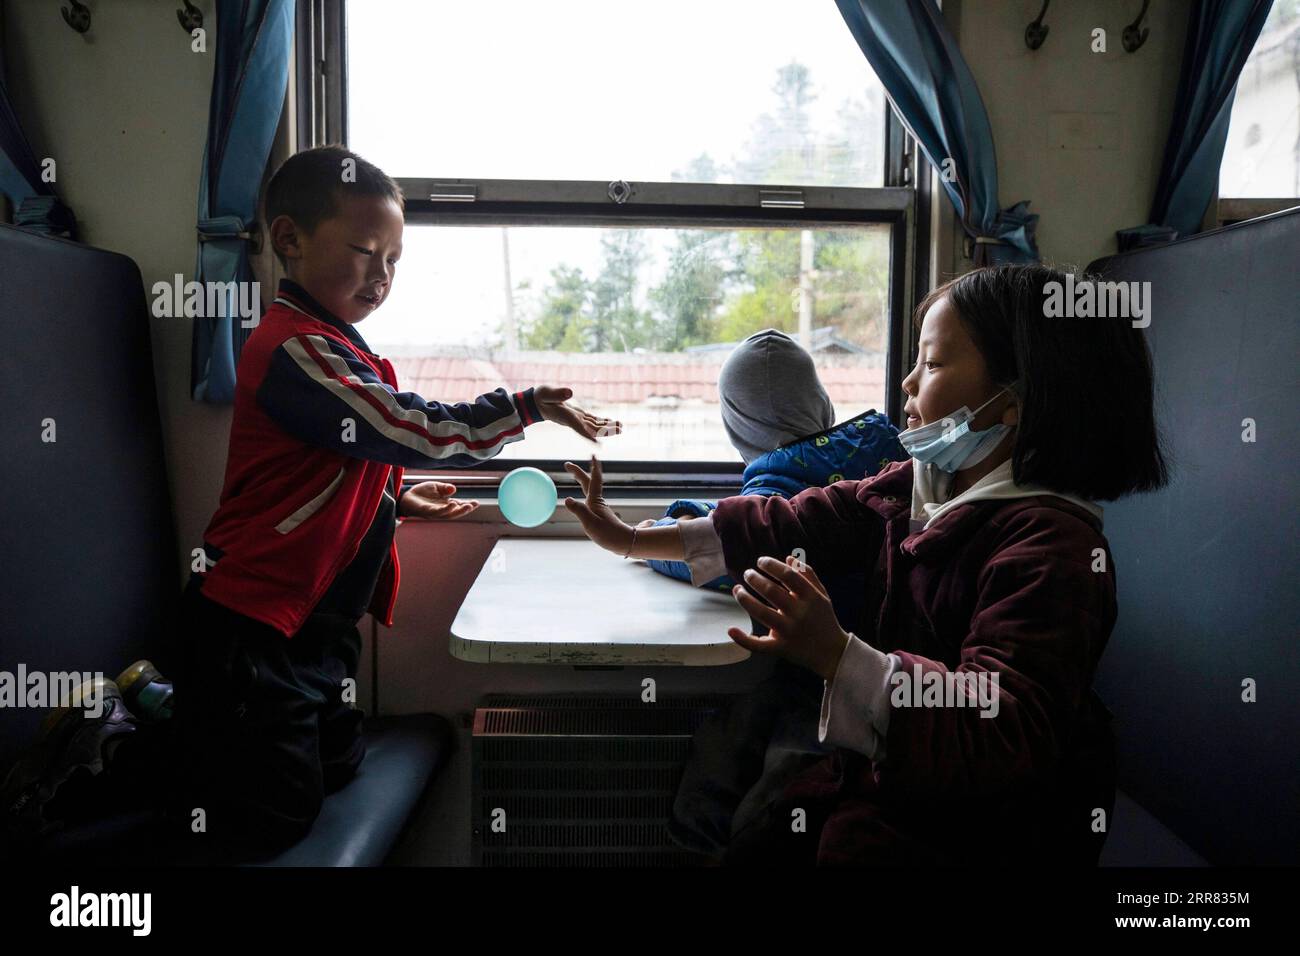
89, 547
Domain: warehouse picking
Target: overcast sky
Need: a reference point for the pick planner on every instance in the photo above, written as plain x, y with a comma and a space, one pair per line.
568, 89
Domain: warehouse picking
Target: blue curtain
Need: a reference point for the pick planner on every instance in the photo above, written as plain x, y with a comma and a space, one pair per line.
1220, 36
254, 40
934, 93
36, 206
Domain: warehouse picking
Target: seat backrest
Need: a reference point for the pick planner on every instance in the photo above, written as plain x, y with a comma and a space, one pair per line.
88, 552
1207, 567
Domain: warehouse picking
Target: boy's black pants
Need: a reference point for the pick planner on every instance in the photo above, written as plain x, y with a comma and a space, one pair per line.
260, 732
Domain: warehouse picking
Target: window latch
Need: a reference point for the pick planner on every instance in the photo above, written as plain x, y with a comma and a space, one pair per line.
780, 198
453, 192
619, 191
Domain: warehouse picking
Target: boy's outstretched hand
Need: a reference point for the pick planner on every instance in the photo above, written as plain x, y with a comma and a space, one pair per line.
432, 499
554, 405
802, 623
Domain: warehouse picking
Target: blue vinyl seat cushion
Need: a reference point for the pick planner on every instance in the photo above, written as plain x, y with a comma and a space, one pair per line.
358, 826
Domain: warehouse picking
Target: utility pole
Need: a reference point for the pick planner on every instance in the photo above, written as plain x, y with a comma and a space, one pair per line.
805, 288
511, 332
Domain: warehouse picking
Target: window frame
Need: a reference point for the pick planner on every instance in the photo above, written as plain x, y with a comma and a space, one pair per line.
903, 204
1230, 211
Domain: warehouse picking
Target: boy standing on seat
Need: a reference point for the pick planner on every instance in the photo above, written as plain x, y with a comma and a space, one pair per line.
302, 544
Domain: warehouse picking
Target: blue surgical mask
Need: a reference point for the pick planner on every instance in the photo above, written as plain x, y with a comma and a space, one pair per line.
949, 444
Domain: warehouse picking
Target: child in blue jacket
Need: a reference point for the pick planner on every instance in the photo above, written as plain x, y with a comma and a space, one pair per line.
780, 419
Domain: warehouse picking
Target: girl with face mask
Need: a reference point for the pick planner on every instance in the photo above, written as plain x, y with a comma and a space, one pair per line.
990, 582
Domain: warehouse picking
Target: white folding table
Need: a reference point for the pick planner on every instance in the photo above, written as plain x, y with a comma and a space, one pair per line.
567, 601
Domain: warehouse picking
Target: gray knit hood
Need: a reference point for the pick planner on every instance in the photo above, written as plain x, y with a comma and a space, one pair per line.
771, 394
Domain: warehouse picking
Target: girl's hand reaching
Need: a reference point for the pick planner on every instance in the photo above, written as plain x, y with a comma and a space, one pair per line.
598, 519
554, 405
802, 621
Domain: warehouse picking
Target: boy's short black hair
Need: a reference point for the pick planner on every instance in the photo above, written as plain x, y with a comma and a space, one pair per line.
1086, 394
306, 186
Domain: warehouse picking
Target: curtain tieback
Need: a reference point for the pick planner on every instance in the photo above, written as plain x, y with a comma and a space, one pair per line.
1012, 238
46, 215
969, 243
230, 227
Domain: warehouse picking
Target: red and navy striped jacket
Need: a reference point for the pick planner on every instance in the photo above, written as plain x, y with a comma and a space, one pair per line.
319, 426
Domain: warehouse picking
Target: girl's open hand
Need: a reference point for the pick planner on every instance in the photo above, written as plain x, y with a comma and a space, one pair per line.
432, 499
802, 621
598, 519
555, 406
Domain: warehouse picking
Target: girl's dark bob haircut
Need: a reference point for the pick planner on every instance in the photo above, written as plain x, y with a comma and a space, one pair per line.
1086, 388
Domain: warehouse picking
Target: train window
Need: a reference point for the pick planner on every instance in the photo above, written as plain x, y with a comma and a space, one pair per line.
636, 320
626, 211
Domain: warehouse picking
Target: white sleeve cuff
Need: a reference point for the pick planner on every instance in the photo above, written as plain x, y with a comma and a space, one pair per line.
702, 550
855, 703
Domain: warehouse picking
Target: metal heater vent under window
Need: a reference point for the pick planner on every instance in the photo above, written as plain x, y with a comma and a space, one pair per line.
580, 780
